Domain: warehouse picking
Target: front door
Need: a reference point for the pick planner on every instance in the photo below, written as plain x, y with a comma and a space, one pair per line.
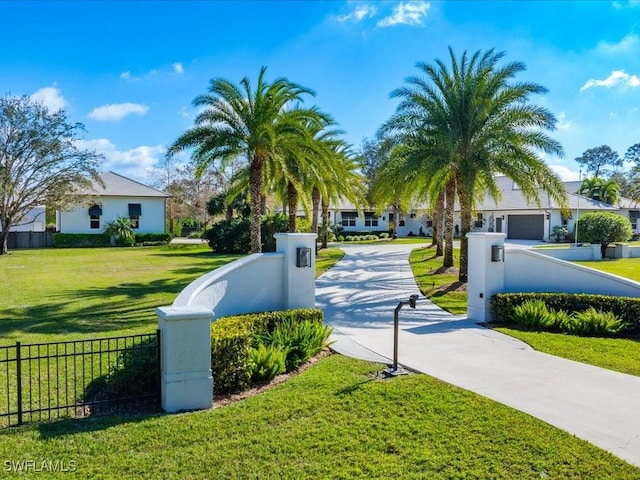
499, 224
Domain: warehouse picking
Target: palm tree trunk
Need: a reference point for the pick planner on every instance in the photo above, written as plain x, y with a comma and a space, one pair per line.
315, 203
255, 188
292, 197
450, 195
465, 227
396, 219
438, 218
263, 201
325, 222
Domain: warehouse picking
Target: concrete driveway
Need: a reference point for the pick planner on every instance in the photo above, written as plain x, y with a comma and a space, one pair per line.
359, 296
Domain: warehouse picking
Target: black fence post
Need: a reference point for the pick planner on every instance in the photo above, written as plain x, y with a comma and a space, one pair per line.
19, 375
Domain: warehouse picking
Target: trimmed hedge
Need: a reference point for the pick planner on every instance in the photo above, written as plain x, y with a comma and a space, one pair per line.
75, 240
232, 338
146, 239
626, 308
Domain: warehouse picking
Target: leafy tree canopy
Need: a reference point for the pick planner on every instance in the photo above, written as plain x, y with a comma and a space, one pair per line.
595, 160
40, 162
603, 228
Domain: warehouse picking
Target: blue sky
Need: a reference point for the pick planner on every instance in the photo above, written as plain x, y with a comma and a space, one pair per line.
129, 70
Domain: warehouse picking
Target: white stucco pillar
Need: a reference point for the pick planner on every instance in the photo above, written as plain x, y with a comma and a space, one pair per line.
486, 277
299, 282
185, 353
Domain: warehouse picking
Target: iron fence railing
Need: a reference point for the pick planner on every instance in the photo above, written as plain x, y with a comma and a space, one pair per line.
79, 378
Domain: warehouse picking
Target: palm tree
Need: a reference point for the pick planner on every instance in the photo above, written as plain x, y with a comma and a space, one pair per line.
607, 191
260, 125
477, 123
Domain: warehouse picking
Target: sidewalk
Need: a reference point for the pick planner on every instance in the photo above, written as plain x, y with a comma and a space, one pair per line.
359, 295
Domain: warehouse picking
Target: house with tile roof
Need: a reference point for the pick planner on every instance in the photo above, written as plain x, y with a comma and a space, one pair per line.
119, 196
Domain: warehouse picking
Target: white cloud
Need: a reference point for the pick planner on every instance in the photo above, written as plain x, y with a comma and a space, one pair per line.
626, 4
563, 123
628, 44
617, 77
50, 97
117, 111
360, 13
564, 173
178, 68
410, 13
136, 163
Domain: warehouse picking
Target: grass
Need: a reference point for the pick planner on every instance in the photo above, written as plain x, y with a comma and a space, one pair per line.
66, 294
441, 287
327, 258
335, 420
618, 354
624, 267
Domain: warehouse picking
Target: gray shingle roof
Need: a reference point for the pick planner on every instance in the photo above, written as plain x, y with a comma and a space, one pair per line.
115, 185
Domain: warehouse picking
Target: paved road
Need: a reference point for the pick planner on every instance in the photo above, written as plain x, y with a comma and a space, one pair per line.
359, 295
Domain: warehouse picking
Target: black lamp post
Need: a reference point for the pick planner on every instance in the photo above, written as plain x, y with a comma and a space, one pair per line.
394, 370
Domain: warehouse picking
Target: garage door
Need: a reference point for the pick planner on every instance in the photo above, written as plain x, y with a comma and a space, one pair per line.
525, 227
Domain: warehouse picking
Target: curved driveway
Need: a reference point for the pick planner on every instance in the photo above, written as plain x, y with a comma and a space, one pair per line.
359, 295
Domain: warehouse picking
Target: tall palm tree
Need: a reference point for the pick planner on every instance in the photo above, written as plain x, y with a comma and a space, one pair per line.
482, 124
259, 125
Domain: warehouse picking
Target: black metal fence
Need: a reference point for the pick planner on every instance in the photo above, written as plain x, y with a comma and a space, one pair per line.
29, 240
79, 378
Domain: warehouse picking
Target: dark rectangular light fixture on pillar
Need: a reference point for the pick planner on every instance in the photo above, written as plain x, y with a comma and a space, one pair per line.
303, 257
497, 253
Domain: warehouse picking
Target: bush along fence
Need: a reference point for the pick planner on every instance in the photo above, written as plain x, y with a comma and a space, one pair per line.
79, 378
82, 240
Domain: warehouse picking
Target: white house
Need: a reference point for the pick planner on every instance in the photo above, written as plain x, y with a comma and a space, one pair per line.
513, 214
144, 206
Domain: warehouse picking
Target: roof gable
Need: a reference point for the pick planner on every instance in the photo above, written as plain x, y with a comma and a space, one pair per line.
116, 185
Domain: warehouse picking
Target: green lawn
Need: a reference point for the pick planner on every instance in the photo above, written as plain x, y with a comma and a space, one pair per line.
327, 258
619, 354
335, 420
64, 294
625, 267
441, 287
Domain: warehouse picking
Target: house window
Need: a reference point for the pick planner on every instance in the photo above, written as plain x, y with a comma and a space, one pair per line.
633, 218
429, 223
479, 221
391, 218
370, 219
135, 211
349, 219
413, 215
94, 216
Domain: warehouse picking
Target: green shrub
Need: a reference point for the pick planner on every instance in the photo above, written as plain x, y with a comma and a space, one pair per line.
134, 373
234, 337
594, 322
78, 240
234, 236
268, 361
146, 239
534, 314
230, 358
300, 339
384, 235
625, 308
